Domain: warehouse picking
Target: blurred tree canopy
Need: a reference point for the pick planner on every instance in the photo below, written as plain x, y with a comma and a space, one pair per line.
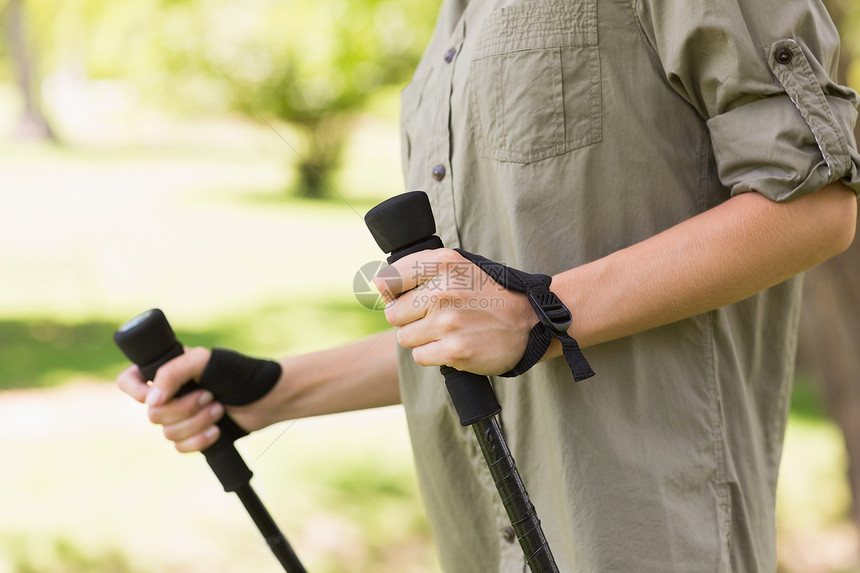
311, 63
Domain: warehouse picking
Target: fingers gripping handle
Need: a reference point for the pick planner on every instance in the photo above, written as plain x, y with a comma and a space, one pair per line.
403, 225
148, 341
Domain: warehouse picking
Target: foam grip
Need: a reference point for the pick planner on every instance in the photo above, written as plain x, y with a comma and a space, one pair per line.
237, 379
148, 341
401, 220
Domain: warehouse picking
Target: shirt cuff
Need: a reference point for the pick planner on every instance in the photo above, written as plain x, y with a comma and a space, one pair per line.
793, 142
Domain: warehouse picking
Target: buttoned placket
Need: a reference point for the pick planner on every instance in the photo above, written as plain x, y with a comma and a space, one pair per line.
442, 197
439, 170
440, 182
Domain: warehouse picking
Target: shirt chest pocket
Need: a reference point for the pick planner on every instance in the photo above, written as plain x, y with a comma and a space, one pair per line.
534, 81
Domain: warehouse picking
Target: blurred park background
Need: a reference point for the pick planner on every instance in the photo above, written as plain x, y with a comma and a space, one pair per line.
215, 159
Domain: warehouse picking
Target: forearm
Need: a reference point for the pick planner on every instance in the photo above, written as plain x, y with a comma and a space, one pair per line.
719, 257
353, 377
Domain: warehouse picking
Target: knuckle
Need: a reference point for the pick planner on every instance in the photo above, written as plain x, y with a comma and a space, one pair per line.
172, 366
198, 353
389, 283
454, 354
214, 412
168, 372
189, 406
446, 255
437, 354
421, 358
447, 321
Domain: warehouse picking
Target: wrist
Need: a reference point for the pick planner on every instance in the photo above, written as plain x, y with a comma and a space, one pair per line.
554, 350
289, 395
269, 409
553, 317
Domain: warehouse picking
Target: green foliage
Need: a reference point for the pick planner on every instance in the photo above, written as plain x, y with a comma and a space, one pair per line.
806, 401
310, 63
326, 56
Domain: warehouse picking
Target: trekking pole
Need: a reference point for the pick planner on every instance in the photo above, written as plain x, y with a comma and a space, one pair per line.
148, 341
404, 225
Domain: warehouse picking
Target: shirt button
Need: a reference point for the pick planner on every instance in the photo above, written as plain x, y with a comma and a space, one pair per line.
439, 172
449, 55
509, 535
784, 55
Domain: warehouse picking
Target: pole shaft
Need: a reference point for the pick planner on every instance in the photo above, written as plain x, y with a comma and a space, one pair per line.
514, 496
267, 526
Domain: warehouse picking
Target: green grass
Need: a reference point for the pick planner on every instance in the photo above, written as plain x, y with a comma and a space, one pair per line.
64, 556
40, 353
90, 486
44, 353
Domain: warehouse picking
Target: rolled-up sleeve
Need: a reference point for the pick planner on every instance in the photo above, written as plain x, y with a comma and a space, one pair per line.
760, 75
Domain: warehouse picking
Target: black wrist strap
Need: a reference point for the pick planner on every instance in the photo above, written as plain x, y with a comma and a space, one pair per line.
236, 380
554, 317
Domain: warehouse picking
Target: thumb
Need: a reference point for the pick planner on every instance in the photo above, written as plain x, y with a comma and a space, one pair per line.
171, 376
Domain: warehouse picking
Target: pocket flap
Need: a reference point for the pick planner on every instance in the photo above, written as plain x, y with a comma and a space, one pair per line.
538, 25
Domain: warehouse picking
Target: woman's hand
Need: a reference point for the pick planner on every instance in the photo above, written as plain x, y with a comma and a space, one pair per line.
188, 421
451, 313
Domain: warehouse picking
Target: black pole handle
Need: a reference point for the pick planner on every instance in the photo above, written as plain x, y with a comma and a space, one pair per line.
148, 341
472, 395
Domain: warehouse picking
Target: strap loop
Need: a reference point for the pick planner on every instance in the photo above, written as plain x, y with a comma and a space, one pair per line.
554, 317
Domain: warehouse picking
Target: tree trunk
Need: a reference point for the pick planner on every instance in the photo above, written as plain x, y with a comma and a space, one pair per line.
32, 124
830, 328
325, 138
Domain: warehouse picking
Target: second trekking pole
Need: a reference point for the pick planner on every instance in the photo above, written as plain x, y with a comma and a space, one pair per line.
148, 341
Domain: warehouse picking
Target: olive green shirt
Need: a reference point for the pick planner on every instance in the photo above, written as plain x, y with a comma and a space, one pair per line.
552, 133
